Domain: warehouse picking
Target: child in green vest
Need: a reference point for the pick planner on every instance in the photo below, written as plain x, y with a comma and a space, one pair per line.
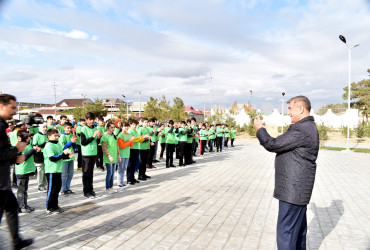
80, 125
183, 138
162, 141
68, 141
60, 126
99, 158
232, 135
134, 152
144, 148
212, 137
219, 136
125, 142
54, 155
203, 139
111, 156
170, 144
23, 172
227, 135
153, 132
89, 151
40, 140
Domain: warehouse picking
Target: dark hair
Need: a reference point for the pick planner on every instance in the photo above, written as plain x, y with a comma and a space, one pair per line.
304, 100
131, 121
51, 132
63, 116
125, 124
170, 122
188, 120
101, 118
49, 117
152, 120
144, 119
90, 115
6, 98
67, 124
193, 119
183, 122
110, 124
82, 120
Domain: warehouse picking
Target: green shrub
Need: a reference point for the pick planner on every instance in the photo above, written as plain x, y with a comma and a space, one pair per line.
323, 133
344, 131
360, 130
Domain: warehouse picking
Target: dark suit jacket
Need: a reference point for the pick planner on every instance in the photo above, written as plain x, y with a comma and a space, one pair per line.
295, 163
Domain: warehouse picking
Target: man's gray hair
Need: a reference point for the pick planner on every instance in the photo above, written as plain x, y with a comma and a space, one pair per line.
304, 100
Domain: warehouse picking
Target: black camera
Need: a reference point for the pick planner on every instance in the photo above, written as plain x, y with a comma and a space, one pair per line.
31, 120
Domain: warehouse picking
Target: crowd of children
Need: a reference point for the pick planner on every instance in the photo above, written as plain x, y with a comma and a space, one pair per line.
125, 147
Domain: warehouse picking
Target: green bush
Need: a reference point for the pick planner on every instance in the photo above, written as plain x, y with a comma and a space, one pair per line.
323, 133
344, 131
360, 130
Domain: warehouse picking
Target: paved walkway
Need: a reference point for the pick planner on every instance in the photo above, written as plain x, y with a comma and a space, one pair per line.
224, 201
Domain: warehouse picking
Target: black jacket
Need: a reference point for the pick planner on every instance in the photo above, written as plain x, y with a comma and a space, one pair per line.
8, 156
295, 162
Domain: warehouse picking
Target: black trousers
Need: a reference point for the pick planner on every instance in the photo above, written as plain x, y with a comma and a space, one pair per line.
291, 226
151, 155
226, 141
219, 143
54, 187
14, 177
232, 142
170, 148
99, 158
163, 147
182, 147
194, 146
143, 160
131, 165
79, 156
22, 194
87, 173
8, 203
177, 151
210, 145
203, 144
188, 154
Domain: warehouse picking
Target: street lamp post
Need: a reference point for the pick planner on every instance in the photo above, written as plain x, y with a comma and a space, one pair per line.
126, 106
343, 39
282, 113
251, 99
83, 102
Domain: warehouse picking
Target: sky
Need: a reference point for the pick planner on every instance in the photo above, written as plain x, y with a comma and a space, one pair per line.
183, 48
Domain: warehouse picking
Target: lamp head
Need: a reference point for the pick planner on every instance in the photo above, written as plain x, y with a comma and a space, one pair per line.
342, 38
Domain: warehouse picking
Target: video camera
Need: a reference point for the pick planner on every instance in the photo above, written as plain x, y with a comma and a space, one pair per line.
31, 120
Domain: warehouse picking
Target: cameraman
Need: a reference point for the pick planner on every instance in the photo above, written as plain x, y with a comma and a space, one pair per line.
9, 155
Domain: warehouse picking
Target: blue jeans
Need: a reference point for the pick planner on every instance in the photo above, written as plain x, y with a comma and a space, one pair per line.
291, 226
110, 175
210, 144
122, 166
67, 175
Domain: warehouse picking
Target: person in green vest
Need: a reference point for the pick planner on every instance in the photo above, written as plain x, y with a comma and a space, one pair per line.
13, 141
89, 151
219, 135
80, 125
134, 152
111, 156
23, 172
227, 135
40, 140
60, 126
212, 137
203, 136
34, 129
117, 128
162, 141
53, 156
99, 158
144, 148
195, 138
188, 148
153, 132
68, 141
183, 139
170, 144
232, 135
125, 141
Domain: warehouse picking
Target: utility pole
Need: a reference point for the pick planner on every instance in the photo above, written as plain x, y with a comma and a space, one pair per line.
204, 111
55, 99
210, 92
251, 99
139, 103
126, 106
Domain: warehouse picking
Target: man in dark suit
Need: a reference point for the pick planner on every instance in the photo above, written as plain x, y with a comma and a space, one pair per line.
295, 168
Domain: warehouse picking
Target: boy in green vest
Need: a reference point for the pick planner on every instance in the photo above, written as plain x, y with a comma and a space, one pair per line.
153, 132
232, 135
54, 155
89, 150
60, 126
125, 142
144, 148
227, 135
23, 172
81, 124
162, 141
203, 139
134, 152
219, 136
183, 139
40, 140
68, 141
49, 121
212, 137
170, 144
99, 158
